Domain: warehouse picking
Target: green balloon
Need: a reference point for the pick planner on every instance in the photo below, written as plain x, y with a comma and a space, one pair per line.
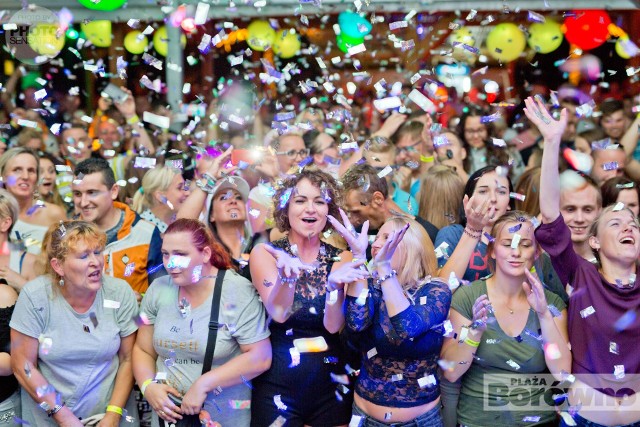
104, 5
345, 42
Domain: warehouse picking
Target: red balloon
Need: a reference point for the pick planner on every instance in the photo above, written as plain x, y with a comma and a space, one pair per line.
587, 29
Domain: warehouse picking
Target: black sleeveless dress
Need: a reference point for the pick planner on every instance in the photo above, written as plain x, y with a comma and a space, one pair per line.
307, 390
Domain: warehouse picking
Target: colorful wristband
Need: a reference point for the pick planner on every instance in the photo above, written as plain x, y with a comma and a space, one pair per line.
471, 342
114, 408
145, 384
133, 120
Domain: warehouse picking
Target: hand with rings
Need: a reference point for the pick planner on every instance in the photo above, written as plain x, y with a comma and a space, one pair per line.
158, 397
289, 268
478, 217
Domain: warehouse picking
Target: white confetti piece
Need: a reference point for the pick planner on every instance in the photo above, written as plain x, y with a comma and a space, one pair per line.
387, 103
371, 353
295, 357
145, 162
618, 371
277, 399
515, 241
427, 381
587, 312
157, 120
513, 364
618, 207
386, 171
422, 101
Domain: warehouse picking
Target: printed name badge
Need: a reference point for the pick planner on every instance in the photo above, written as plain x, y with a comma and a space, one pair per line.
111, 304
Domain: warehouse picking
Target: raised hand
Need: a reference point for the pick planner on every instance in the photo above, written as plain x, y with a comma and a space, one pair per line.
478, 217
288, 267
388, 249
349, 272
215, 166
480, 313
391, 125
535, 293
550, 128
358, 243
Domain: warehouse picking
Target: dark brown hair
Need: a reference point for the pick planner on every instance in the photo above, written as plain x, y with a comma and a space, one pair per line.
319, 179
612, 187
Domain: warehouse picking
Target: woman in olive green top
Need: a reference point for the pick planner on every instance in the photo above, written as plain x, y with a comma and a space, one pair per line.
501, 326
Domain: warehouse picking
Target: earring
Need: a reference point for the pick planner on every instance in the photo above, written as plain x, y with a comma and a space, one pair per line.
61, 282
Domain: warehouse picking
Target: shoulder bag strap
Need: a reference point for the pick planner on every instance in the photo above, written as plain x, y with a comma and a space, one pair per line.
213, 323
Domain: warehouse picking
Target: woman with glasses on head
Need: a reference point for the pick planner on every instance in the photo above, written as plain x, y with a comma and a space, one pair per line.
19, 168
482, 150
324, 151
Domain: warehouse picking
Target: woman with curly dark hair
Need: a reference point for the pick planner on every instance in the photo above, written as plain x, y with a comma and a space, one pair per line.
291, 276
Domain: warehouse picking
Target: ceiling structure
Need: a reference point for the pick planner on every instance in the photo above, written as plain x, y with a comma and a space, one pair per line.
154, 10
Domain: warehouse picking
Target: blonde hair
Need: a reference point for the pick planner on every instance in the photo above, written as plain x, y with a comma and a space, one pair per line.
9, 208
64, 237
529, 185
27, 134
441, 196
14, 152
416, 249
158, 179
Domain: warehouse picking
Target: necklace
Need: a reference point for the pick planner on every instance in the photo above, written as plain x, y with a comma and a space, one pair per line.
209, 276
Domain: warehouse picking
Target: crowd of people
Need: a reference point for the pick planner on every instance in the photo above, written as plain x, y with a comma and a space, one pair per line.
314, 276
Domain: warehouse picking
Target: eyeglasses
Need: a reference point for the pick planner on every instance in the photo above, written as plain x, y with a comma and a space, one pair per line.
408, 148
293, 153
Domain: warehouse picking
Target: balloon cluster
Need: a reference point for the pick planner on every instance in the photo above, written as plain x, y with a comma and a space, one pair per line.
353, 29
583, 29
261, 36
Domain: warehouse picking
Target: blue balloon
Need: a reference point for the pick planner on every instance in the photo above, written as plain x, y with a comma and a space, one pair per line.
353, 25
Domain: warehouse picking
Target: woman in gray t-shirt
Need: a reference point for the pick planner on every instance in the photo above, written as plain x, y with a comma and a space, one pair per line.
72, 333
170, 349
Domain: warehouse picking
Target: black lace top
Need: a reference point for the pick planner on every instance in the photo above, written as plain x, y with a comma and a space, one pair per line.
306, 320
8, 384
399, 354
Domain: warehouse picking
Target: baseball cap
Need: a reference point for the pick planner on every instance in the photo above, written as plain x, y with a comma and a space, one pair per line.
233, 183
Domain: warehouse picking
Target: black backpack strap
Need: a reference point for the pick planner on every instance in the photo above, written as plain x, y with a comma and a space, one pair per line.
213, 322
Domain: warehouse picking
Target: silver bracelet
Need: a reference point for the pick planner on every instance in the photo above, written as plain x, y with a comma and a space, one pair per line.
386, 277
289, 281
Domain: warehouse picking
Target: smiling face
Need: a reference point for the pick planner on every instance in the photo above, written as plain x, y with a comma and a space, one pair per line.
92, 199
307, 210
177, 193
21, 175
174, 249
47, 176
614, 125
228, 206
495, 189
289, 143
82, 267
381, 238
617, 237
579, 208
514, 260
475, 132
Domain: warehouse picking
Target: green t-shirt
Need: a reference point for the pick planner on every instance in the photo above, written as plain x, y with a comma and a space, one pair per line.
500, 353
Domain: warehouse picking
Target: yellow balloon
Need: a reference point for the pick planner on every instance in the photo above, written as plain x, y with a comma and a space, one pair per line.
463, 35
160, 39
98, 32
135, 42
286, 44
46, 39
260, 35
506, 42
545, 37
625, 48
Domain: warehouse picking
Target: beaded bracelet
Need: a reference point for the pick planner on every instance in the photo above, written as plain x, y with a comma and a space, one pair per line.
474, 234
386, 277
289, 281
